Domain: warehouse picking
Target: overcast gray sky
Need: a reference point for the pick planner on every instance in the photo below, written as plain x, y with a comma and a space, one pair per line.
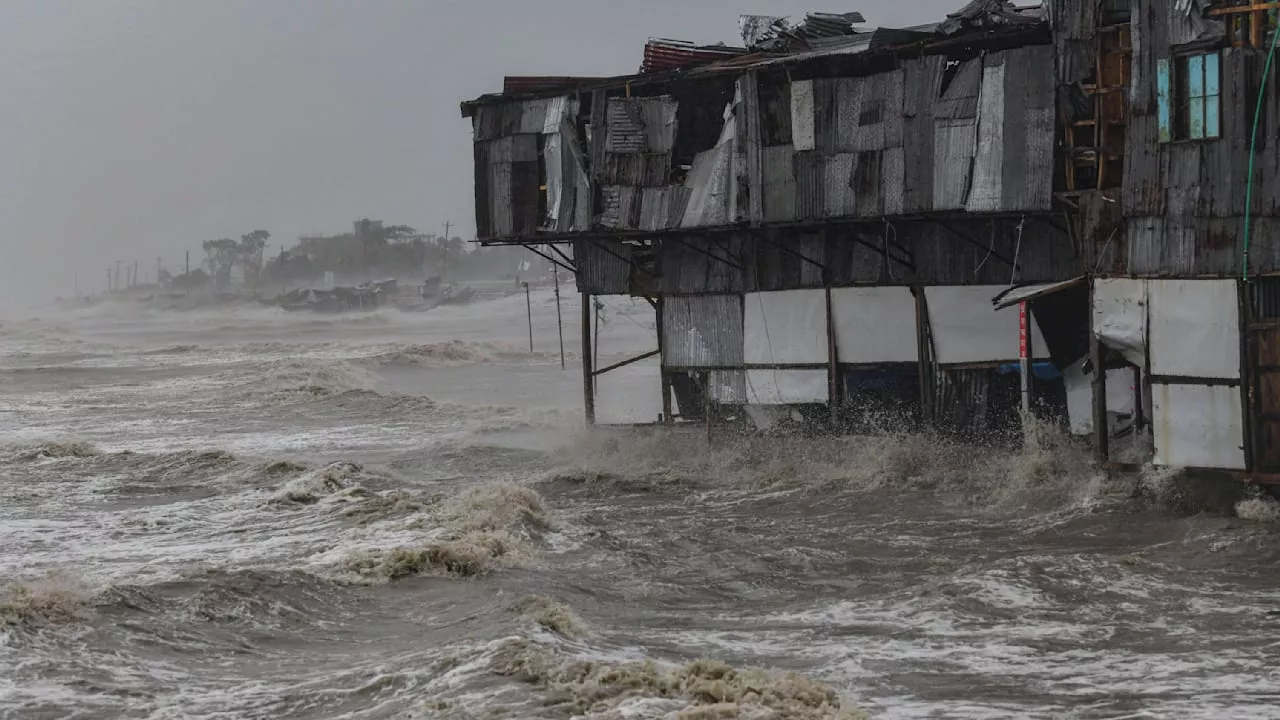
135, 129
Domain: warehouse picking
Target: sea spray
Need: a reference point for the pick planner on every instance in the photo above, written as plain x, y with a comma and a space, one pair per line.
1051, 471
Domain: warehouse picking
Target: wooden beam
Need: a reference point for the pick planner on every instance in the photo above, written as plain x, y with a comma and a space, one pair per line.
1101, 428
624, 363
588, 378
1238, 9
833, 361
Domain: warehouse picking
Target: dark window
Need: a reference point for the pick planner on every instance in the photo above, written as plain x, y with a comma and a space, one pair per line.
1188, 95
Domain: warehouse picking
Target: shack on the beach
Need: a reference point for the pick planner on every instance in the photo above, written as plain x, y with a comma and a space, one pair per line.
1068, 208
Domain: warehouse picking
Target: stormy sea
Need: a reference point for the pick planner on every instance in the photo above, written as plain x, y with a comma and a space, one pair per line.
248, 513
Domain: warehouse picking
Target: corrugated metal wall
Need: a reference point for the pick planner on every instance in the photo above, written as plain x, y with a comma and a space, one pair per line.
604, 266
1185, 200
702, 331
810, 150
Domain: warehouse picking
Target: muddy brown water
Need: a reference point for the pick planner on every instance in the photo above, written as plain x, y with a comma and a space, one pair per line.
245, 514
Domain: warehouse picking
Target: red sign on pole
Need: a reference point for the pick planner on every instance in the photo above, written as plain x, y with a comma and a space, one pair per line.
1022, 330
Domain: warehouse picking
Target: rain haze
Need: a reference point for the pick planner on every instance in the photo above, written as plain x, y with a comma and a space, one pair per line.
765, 453
137, 130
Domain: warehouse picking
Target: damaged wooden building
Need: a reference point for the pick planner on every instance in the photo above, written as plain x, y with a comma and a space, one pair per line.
1065, 209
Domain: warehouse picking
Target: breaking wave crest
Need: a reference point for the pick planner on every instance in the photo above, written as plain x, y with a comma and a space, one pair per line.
479, 531
49, 450
700, 690
296, 378
47, 600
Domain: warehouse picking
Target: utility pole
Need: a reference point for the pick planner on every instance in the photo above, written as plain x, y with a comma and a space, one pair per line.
116, 285
135, 273
188, 270
444, 270
528, 304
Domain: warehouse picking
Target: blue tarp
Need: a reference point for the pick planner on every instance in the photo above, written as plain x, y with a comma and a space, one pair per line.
1040, 370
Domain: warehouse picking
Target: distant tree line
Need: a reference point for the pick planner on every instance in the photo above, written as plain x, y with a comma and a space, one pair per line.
372, 251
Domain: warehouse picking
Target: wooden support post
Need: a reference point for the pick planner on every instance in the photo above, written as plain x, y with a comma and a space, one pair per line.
588, 379
528, 305
833, 365
1101, 429
555, 273
925, 354
706, 402
665, 379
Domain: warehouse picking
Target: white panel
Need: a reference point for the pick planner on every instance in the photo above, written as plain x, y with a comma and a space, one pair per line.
875, 324
1195, 328
630, 395
1198, 426
1120, 396
729, 387
787, 387
1120, 317
785, 328
557, 113
802, 132
967, 330
988, 170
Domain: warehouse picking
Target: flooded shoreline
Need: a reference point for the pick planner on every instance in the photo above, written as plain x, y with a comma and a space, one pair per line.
403, 517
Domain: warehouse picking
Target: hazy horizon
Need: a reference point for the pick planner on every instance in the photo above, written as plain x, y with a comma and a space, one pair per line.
140, 128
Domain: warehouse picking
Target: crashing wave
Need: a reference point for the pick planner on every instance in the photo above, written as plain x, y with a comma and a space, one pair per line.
50, 599
483, 529
700, 690
51, 450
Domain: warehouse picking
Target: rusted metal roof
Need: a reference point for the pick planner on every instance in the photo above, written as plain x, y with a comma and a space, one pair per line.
666, 60
525, 84
661, 55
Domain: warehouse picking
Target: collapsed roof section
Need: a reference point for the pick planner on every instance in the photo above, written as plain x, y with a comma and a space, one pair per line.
815, 133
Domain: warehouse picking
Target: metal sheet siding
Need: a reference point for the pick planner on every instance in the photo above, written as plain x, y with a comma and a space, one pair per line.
710, 183
513, 148
662, 208
603, 267
501, 212
838, 172
810, 186
953, 148
621, 207
869, 112
779, 184
960, 100
641, 125
636, 169
702, 331
988, 168
802, 129
625, 130
1029, 184
923, 80
893, 181
483, 211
